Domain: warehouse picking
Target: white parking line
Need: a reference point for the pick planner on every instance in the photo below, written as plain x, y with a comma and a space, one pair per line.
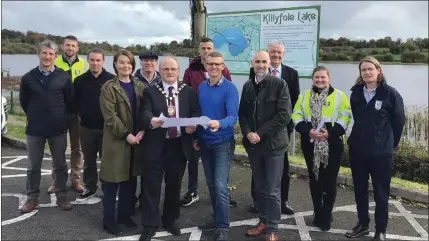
300, 226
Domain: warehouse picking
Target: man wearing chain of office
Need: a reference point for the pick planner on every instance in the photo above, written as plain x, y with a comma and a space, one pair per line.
165, 150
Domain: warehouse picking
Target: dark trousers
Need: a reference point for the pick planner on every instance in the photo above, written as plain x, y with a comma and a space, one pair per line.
170, 166
126, 197
380, 169
35, 151
91, 140
193, 171
284, 184
324, 189
267, 172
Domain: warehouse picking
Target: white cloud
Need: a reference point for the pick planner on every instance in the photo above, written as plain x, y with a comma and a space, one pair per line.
148, 22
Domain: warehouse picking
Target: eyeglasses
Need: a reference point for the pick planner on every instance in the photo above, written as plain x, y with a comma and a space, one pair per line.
214, 64
168, 69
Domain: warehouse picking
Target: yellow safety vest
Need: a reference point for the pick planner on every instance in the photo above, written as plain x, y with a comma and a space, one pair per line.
336, 109
76, 69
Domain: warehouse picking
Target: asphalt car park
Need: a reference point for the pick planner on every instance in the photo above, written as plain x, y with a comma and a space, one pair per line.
84, 222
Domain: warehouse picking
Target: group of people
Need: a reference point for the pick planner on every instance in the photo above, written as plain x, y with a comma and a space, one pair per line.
116, 117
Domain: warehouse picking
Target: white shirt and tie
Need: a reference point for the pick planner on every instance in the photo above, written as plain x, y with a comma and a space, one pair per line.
278, 73
166, 86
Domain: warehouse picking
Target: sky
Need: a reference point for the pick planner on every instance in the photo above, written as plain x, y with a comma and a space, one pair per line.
147, 22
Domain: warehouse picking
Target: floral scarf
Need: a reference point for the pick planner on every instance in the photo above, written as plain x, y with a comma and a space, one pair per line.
321, 148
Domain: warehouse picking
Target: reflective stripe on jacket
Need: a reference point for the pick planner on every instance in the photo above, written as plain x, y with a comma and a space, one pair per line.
335, 110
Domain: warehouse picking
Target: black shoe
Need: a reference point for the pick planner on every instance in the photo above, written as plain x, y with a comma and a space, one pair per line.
112, 227
128, 222
254, 208
286, 208
85, 195
221, 235
325, 222
316, 219
147, 234
211, 225
379, 236
189, 198
358, 231
233, 203
173, 229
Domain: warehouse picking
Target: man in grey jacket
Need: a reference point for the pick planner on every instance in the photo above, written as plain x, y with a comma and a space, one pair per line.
264, 112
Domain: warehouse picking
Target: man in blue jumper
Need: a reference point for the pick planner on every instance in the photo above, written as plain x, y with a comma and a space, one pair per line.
218, 99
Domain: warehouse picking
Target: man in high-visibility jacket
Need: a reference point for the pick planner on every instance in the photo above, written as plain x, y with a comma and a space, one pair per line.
321, 115
70, 62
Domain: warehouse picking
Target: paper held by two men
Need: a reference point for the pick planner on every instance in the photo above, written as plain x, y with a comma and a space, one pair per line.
319, 126
193, 121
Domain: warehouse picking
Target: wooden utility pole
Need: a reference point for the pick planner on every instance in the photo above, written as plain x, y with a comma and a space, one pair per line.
198, 20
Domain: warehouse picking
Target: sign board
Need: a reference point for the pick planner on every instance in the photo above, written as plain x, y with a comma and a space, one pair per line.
237, 35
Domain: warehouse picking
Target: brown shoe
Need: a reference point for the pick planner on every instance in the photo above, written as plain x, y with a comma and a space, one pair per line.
29, 206
64, 203
257, 230
272, 237
51, 188
77, 187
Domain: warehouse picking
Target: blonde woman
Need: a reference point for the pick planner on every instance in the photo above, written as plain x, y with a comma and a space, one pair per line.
379, 117
120, 102
321, 115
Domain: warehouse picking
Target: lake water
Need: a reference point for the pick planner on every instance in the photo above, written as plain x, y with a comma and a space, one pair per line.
410, 80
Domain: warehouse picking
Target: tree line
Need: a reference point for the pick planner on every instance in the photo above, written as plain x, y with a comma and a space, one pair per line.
342, 49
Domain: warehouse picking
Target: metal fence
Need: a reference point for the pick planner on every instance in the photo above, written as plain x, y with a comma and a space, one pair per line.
13, 105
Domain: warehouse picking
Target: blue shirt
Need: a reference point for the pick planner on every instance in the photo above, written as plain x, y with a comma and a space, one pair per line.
129, 90
369, 94
218, 102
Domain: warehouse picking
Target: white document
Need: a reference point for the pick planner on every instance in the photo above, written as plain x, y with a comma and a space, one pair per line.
319, 126
193, 121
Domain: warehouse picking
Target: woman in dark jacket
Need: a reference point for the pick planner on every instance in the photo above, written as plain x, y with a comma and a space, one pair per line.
321, 115
379, 118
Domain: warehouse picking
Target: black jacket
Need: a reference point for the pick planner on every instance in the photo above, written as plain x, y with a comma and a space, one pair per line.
378, 125
46, 103
86, 99
265, 109
154, 103
290, 75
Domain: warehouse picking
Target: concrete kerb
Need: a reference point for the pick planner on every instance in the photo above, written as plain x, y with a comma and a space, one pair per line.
407, 194
18, 143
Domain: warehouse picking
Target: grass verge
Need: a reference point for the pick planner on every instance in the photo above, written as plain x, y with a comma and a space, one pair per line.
18, 131
299, 161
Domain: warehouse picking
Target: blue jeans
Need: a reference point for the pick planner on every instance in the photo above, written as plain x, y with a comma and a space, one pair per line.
216, 159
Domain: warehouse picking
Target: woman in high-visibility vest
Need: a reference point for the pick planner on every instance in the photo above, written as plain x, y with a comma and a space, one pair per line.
321, 115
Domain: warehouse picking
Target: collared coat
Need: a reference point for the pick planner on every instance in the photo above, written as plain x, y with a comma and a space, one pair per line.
118, 120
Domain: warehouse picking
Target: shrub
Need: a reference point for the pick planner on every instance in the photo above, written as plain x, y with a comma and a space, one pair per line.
412, 57
411, 160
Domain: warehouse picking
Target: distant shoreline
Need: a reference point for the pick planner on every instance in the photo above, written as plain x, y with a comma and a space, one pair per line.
381, 62
320, 61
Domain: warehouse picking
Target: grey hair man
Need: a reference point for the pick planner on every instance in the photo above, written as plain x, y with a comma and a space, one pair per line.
265, 138
46, 97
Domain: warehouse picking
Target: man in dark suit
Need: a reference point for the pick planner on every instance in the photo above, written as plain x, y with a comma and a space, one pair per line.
165, 150
290, 75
